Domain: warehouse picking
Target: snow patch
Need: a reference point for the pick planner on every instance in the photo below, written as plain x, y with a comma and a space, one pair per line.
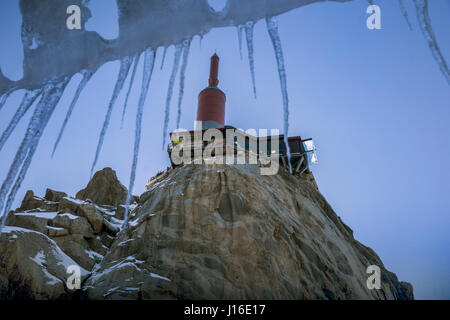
43, 215
69, 215
154, 275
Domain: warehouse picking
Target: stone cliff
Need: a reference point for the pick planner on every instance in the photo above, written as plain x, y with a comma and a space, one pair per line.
198, 232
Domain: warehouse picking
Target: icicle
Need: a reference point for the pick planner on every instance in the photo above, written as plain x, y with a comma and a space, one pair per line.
149, 60
176, 64
125, 65
200, 41
3, 99
133, 74
26, 164
404, 13
51, 95
186, 47
240, 28
249, 35
163, 58
27, 101
272, 27
425, 25
87, 74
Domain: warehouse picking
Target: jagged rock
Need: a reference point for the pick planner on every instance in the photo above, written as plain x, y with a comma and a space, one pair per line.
120, 212
56, 232
95, 218
104, 189
407, 290
110, 228
37, 221
30, 202
32, 266
55, 196
226, 232
75, 227
77, 247
75, 224
68, 204
107, 240
97, 245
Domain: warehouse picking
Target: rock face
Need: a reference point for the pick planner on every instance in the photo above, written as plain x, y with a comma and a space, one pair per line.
201, 232
104, 188
32, 266
225, 232
46, 235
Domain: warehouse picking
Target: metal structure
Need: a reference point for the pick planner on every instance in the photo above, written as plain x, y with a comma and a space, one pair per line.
211, 115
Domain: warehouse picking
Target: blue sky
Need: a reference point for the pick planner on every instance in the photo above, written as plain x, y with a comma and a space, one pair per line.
374, 101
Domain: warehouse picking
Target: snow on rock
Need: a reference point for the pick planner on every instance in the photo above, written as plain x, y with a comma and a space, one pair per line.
80, 233
32, 266
44, 215
154, 275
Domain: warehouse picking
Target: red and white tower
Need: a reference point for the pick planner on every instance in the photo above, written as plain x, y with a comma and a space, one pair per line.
211, 101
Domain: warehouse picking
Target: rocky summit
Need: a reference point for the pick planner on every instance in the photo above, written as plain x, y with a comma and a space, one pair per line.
198, 232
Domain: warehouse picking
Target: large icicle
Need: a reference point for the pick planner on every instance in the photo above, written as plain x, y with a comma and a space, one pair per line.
3, 99
163, 58
27, 101
240, 28
176, 64
427, 30
149, 61
184, 63
125, 65
200, 41
87, 74
404, 13
249, 36
133, 74
52, 93
18, 183
272, 27
27, 162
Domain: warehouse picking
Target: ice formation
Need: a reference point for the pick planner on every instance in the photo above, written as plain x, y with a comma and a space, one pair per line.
125, 65
175, 67
27, 100
240, 28
149, 61
251, 61
87, 74
404, 13
272, 28
425, 26
51, 94
133, 74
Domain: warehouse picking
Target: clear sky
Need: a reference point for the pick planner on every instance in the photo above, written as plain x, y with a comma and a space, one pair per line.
374, 101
